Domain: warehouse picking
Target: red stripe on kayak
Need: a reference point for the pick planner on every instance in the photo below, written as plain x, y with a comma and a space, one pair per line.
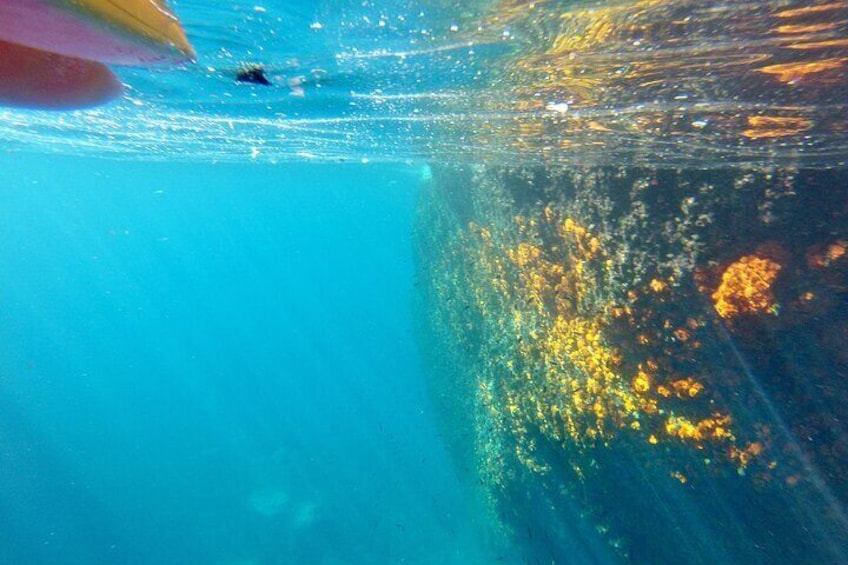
31, 78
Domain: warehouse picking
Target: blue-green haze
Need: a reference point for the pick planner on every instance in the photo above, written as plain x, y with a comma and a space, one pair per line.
215, 364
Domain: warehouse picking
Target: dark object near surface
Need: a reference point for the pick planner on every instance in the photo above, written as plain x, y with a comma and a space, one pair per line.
254, 74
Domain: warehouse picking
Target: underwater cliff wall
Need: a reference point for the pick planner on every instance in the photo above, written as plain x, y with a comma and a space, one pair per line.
643, 364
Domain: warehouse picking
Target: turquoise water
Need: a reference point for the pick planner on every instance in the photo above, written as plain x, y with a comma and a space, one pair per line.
215, 365
306, 322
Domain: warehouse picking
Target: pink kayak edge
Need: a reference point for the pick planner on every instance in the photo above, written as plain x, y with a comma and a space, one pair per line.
42, 24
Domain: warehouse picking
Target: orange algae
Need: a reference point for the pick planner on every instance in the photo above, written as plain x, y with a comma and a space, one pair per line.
743, 457
747, 287
808, 10
794, 72
768, 127
687, 387
809, 28
823, 256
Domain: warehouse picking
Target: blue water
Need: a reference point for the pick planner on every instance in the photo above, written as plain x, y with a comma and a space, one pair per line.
215, 364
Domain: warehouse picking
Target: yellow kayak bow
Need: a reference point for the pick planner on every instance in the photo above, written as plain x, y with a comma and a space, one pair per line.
52, 52
126, 32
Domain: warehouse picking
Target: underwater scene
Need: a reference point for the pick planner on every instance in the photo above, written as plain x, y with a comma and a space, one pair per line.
423, 281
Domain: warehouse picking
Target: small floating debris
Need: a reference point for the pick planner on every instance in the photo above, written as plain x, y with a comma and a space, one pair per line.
558, 107
253, 74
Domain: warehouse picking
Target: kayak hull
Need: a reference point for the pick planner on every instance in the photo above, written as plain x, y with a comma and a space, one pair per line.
31, 78
123, 32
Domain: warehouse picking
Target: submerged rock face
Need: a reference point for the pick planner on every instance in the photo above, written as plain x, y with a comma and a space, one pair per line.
644, 364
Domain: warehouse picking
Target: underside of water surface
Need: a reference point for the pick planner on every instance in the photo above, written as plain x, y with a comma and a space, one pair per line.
644, 364
559, 82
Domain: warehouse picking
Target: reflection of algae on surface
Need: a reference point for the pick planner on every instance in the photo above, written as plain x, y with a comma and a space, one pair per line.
671, 81
587, 316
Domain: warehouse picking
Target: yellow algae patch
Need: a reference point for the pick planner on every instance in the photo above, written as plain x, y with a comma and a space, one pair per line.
658, 285
641, 382
747, 287
566, 362
524, 254
716, 427
560, 376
